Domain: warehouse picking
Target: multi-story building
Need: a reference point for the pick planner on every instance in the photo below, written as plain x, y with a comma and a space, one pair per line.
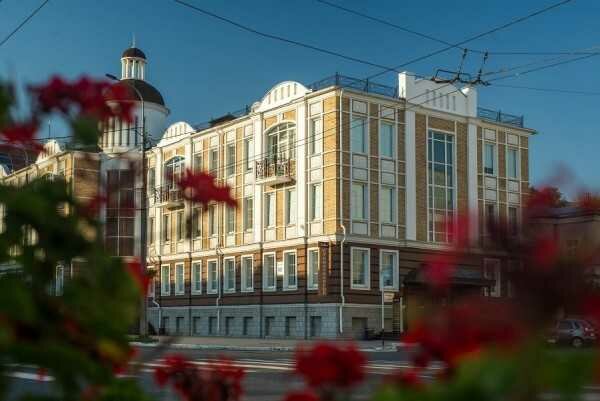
344, 189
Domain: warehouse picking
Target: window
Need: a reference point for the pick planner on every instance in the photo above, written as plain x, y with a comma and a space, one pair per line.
248, 213
212, 325
489, 158
491, 271
513, 221
290, 276
197, 278
315, 326
316, 202
214, 161
386, 140
490, 216
360, 268
198, 162
165, 277
290, 206
270, 209
212, 273
387, 205
358, 140
247, 273
358, 202
269, 323
59, 280
196, 222
313, 269
151, 178
150, 230
290, 326
120, 212
179, 279
230, 159
212, 220
229, 325
180, 226
441, 186
174, 169
269, 271
389, 270
315, 145
166, 228
229, 275
512, 163
248, 154
230, 219
281, 141
247, 323
197, 324
151, 288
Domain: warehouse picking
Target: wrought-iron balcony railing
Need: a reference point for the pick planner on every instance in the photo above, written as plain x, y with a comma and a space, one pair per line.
167, 195
273, 171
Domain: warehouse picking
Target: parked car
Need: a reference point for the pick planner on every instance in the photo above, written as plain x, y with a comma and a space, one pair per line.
574, 332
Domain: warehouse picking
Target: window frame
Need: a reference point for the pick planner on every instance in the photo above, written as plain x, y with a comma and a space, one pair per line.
248, 154
177, 283
286, 285
196, 265
365, 134
230, 164
267, 288
315, 211
209, 288
449, 186
365, 201
229, 220
243, 273
165, 290
494, 145
517, 152
166, 228
392, 203
311, 286
367, 284
177, 166
393, 146
270, 209
226, 275
290, 208
213, 217
395, 270
181, 226
315, 146
286, 148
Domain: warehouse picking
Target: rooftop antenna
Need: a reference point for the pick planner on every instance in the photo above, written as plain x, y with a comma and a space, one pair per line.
49, 130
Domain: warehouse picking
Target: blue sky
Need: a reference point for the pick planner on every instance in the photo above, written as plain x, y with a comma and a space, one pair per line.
205, 68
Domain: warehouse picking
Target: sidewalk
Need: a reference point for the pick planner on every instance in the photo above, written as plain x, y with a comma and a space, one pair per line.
257, 344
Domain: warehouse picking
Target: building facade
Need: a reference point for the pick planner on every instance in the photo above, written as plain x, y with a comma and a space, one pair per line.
344, 189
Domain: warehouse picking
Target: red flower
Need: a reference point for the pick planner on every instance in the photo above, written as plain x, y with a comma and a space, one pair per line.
438, 272
407, 378
201, 188
544, 253
175, 364
21, 133
139, 275
301, 396
327, 365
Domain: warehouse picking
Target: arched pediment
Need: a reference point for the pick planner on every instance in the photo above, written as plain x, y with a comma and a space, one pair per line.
51, 147
282, 93
175, 132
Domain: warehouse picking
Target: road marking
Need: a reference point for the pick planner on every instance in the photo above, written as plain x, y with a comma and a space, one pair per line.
30, 376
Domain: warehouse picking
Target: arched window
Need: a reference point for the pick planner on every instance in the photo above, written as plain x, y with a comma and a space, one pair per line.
174, 169
281, 141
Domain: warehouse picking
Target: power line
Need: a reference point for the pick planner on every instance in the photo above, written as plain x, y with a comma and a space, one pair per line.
435, 39
496, 29
569, 91
29, 17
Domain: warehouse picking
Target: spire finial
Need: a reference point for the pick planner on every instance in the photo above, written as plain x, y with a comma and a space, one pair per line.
133, 40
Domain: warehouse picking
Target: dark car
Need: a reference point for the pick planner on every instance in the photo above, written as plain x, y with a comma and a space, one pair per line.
574, 332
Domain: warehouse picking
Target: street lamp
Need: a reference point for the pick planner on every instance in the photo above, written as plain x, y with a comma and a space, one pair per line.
144, 216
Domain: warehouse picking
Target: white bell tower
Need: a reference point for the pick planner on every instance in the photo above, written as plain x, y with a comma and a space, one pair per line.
133, 63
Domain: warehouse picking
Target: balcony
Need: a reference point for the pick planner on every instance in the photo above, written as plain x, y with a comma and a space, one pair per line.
274, 171
168, 196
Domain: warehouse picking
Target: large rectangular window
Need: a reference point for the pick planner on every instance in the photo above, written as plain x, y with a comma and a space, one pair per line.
166, 228
315, 202
248, 154
248, 213
489, 158
512, 163
196, 222
179, 279
270, 209
214, 161
180, 226
360, 268
441, 186
313, 269
230, 219
269, 272
247, 273
290, 274
197, 278
290, 206
386, 140
389, 270
198, 162
212, 277
165, 280
513, 221
358, 135
230, 159
212, 220
387, 205
229, 275
358, 202
315, 146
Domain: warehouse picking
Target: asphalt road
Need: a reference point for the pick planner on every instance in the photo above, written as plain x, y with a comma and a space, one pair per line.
269, 375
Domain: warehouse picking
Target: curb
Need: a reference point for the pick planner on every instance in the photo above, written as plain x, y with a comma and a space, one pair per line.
391, 348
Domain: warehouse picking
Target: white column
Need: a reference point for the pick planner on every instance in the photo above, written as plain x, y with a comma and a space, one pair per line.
301, 135
189, 150
472, 183
122, 69
158, 178
258, 188
411, 180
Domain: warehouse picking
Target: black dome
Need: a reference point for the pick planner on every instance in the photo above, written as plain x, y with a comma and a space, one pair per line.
133, 52
148, 92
